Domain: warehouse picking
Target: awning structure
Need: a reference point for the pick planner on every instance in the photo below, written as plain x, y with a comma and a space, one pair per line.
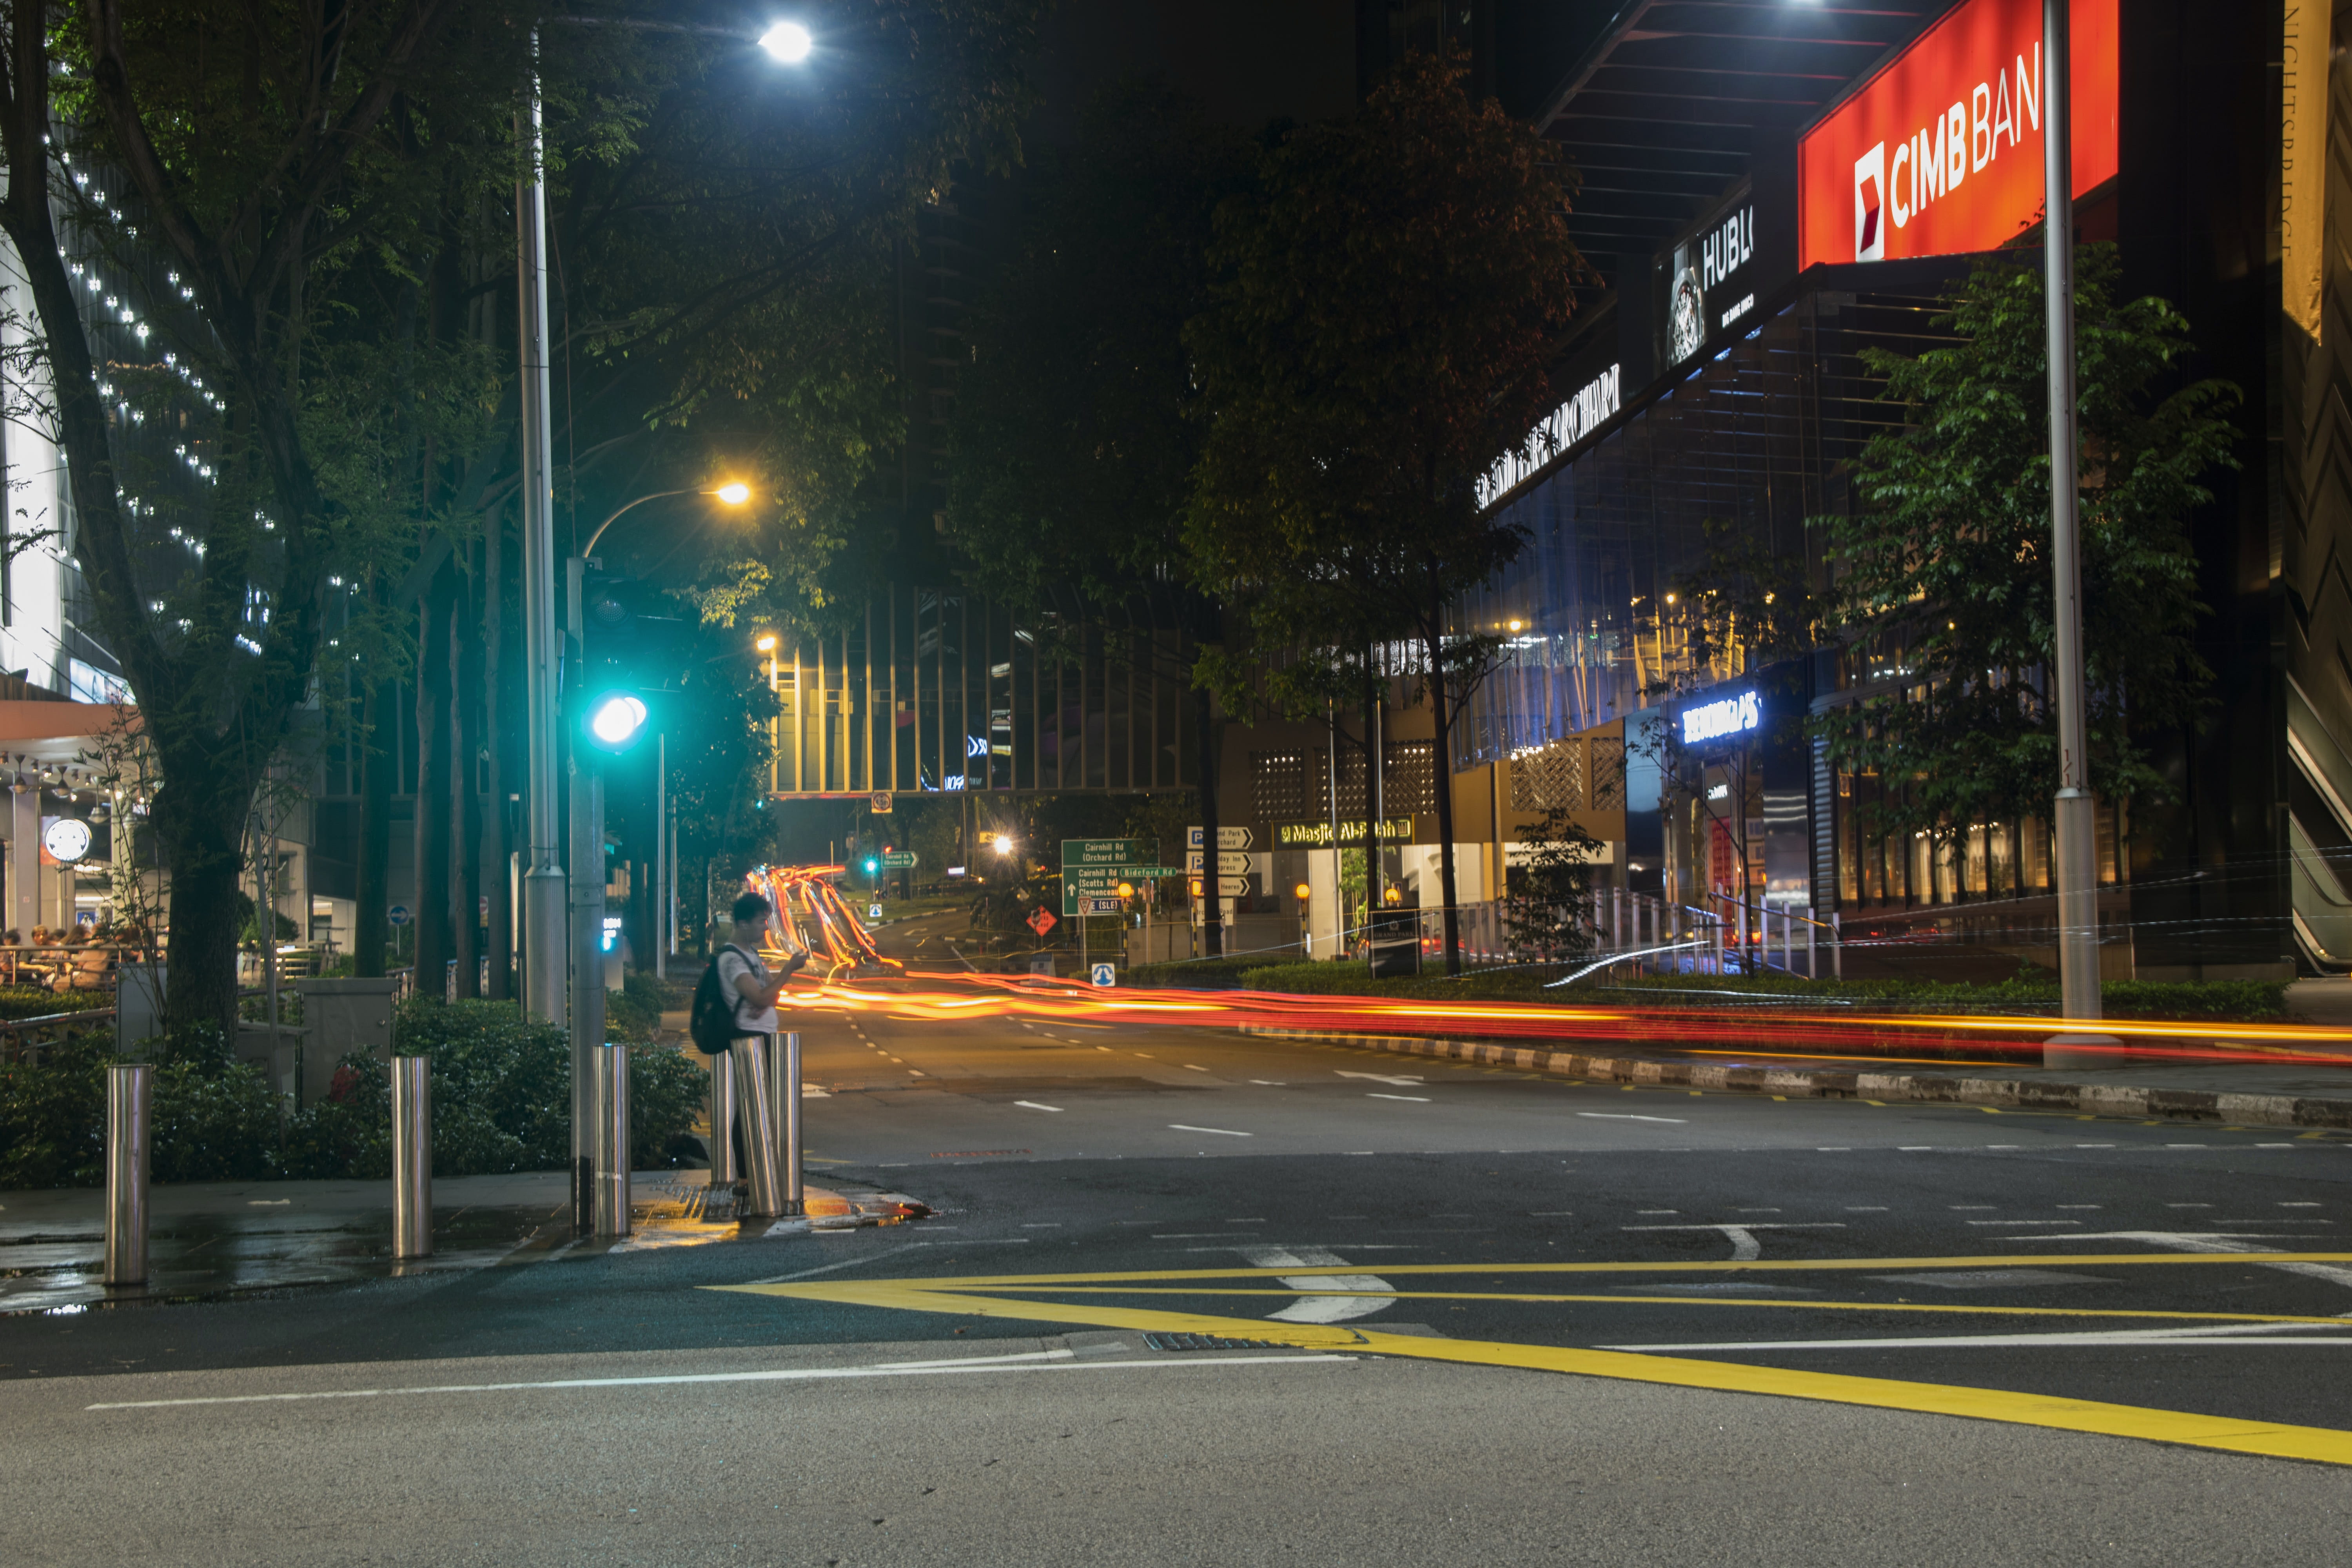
51, 733
1665, 110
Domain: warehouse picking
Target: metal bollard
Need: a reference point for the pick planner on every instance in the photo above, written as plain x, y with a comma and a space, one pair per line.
784, 1088
128, 1096
723, 1120
611, 1068
411, 1157
756, 1111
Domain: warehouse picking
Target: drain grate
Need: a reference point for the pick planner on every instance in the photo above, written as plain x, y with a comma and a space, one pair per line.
1208, 1342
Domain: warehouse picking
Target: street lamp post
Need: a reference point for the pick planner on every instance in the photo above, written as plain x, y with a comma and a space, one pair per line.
2072, 818
543, 882
544, 891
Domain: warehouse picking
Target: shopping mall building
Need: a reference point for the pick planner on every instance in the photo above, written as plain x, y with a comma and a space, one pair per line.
1762, 214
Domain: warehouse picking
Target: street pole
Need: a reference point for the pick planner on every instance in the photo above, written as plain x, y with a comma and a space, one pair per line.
543, 941
2072, 817
586, 937
660, 933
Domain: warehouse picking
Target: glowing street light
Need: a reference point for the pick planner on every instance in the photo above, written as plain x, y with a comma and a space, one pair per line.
767, 643
734, 492
788, 42
1004, 844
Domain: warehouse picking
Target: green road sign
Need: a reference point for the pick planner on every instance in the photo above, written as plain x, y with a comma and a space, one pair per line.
1110, 853
898, 860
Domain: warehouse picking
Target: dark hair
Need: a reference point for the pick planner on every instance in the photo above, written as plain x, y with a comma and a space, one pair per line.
752, 907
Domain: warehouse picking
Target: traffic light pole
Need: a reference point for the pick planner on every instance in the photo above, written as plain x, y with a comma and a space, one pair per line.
543, 942
586, 926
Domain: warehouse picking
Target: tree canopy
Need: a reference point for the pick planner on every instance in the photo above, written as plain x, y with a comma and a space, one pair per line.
1943, 587
1390, 295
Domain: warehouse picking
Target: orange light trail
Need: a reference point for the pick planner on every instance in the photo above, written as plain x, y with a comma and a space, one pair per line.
1865, 1038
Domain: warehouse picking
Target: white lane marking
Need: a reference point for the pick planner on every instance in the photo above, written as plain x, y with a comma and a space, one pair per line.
1193, 1067
2298, 1205
1416, 1098
1745, 1247
1623, 1116
1034, 1106
2124, 1338
2026, 1222
1400, 1079
267, 1203
791, 1375
1319, 1309
889, 1252
1220, 1131
1865, 1208
2094, 1145
2213, 1241
1270, 1082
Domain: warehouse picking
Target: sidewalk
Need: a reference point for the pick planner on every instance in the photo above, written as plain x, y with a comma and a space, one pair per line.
212, 1239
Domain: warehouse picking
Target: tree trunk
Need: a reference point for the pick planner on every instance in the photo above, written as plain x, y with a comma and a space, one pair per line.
498, 851
371, 927
198, 814
1211, 746
435, 938
1441, 765
1372, 803
465, 652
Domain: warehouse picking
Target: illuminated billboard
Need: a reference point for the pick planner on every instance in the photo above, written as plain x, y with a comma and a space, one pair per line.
1940, 152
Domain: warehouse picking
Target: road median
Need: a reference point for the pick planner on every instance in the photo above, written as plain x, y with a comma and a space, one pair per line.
1812, 1083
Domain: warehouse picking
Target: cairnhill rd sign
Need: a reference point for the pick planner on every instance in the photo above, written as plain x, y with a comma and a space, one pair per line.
1939, 153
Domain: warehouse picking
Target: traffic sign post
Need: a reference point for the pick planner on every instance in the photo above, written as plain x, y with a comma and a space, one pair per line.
1103, 974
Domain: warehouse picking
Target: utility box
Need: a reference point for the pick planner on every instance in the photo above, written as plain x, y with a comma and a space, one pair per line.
139, 990
339, 1016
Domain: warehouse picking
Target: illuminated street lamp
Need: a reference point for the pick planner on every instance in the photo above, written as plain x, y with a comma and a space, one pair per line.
788, 42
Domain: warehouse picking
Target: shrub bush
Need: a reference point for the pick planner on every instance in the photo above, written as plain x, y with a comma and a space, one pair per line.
501, 1103
215, 1118
53, 1116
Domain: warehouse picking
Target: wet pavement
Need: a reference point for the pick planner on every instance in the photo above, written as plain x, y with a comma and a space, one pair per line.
218, 1238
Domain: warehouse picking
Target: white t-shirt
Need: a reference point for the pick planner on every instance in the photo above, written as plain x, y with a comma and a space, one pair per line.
733, 964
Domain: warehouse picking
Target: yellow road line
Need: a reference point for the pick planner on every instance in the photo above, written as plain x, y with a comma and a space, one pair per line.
2268, 1439
1757, 1266
1966, 1310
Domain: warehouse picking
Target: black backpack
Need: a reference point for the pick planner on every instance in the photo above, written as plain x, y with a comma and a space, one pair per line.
711, 1021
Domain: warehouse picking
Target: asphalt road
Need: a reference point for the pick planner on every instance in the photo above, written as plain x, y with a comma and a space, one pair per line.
1506, 1317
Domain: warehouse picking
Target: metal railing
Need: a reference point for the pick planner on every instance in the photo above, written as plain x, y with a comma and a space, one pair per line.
23, 1041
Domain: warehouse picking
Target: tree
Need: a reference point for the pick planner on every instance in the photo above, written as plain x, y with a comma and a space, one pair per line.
1074, 442
1388, 302
1546, 908
301, 209
1943, 588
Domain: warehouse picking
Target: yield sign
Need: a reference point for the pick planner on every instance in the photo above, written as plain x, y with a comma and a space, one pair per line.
1041, 920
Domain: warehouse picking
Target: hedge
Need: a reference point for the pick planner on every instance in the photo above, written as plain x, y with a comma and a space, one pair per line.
501, 1101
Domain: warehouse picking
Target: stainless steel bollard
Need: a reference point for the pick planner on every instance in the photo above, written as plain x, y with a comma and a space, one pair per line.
611, 1082
755, 1109
784, 1087
128, 1095
723, 1173
411, 1157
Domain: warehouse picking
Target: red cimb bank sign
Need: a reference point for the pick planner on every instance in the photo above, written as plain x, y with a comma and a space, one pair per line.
1941, 152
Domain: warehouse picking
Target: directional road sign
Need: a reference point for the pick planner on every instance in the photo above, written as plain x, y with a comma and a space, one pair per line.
1228, 865
1227, 838
1103, 974
1087, 853
1100, 906
898, 860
